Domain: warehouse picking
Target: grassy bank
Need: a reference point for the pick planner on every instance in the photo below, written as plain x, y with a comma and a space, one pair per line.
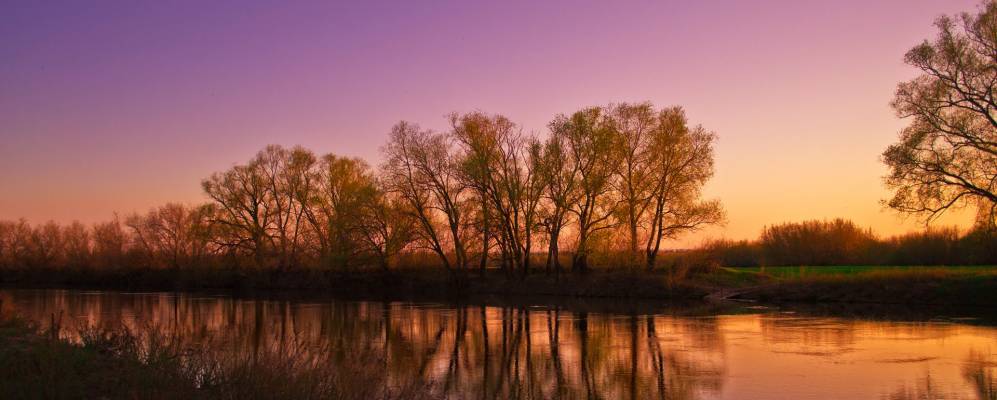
784, 272
969, 286
119, 364
855, 284
401, 284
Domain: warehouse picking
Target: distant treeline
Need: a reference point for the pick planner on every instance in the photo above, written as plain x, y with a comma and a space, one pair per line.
842, 242
606, 186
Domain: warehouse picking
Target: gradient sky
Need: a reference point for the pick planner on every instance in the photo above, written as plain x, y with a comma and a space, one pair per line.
117, 106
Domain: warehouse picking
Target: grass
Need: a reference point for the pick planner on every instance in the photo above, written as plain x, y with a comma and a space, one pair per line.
121, 364
411, 283
784, 272
683, 281
969, 286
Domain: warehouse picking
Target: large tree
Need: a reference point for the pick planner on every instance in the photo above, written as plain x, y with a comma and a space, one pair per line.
558, 188
477, 136
680, 162
633, 126
499, 162
241, 210
419, 169
589, 140
947, 156
335, 209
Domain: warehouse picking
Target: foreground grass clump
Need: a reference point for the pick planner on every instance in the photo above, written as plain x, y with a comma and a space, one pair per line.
121, 364
37, 366
950, 286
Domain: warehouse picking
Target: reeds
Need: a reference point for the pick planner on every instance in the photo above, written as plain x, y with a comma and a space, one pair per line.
93, 362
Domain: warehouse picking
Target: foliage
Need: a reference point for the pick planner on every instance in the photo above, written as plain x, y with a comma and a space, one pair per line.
947, 156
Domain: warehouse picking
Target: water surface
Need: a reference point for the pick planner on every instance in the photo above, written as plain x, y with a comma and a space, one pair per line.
551, 352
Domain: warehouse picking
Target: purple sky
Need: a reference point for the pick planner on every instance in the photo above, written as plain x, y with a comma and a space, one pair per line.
119, 106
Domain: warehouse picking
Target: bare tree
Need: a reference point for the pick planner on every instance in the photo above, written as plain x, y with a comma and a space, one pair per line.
46, 246
947, 156
287, 181
173, 234
241, 210
6, 240
532, 196
109, 244
420, 170
77, 245
385, 227
15, 240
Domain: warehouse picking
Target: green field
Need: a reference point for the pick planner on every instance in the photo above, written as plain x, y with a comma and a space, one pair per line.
842, 270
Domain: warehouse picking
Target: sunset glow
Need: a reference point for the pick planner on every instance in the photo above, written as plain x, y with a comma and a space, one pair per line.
123, 107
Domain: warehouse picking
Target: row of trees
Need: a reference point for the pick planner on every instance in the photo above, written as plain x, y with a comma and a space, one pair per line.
481, 194
486, 188
171, 236
842, 242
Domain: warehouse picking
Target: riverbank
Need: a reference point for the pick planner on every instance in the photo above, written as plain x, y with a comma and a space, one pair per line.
120, 364
411, 284
959, 286
927, 286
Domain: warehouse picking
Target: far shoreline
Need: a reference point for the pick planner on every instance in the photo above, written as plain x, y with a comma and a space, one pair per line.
910, 286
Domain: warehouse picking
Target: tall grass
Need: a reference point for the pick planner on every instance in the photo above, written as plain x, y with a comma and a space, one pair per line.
95, 362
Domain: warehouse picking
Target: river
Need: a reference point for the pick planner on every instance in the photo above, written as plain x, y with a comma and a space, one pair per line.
670, 352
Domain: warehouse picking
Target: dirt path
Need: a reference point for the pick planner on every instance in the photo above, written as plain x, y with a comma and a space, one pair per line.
726, 294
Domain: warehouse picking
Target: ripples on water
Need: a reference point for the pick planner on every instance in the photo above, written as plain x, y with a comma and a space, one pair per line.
540, 352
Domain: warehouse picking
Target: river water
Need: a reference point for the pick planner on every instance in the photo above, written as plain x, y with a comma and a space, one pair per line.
475, 351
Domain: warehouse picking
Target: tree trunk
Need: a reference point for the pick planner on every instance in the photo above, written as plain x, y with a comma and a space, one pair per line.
579, 262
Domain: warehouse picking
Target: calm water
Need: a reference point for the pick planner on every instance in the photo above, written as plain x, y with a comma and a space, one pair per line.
503, 352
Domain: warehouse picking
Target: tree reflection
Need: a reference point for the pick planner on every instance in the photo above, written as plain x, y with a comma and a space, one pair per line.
470, 351
981, 372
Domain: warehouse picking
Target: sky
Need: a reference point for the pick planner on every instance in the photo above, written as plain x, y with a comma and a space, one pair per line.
118, 106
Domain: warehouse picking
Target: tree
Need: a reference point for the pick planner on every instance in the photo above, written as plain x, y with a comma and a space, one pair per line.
384, 226
498, 163
947, 156
15, 242
419, 169
479, 147
46, 245
557, 178
109, 244
633, 126
241, 210
680, 162
336, 211
173, 235
589, 139
77, 245
288, 182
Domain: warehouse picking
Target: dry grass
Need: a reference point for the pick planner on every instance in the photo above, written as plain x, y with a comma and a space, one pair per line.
941, 286
118, 363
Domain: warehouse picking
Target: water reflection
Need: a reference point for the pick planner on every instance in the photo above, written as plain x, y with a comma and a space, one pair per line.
520, 352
